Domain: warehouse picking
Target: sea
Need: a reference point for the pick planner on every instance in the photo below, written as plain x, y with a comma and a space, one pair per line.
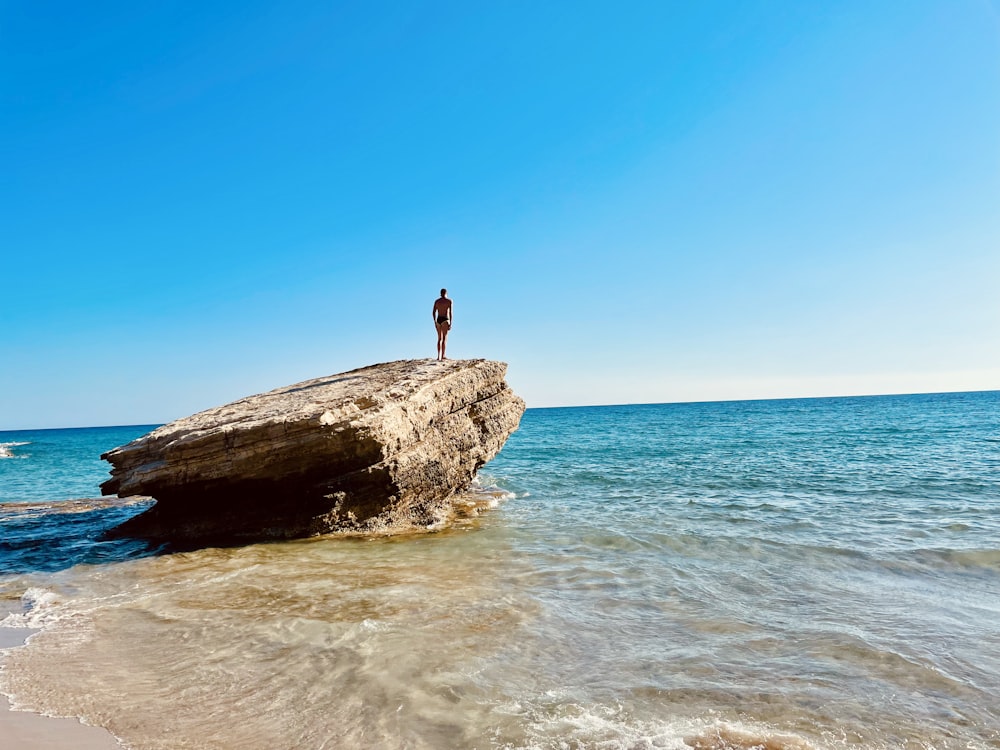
788, 574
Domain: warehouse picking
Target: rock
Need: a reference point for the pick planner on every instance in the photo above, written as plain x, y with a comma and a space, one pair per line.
383, 444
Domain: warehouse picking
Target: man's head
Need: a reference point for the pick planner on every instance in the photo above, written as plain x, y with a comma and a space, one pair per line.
444, 292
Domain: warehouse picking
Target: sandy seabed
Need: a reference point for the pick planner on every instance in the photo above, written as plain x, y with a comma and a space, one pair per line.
23, 730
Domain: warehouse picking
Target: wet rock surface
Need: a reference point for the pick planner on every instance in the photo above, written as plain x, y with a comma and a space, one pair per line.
354, 451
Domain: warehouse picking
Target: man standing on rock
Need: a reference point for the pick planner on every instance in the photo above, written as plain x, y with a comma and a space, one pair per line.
442, 321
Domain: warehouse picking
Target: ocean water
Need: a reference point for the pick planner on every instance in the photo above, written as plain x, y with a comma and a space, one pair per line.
817, 573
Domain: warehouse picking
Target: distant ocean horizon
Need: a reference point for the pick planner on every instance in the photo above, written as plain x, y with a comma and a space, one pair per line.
780, 573
153, 425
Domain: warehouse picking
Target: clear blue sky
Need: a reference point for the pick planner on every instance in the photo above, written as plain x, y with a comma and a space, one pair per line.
628, 202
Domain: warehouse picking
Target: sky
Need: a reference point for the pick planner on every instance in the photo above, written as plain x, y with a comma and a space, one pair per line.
634, 202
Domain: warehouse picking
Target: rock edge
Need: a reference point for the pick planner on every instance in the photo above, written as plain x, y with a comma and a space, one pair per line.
384, 445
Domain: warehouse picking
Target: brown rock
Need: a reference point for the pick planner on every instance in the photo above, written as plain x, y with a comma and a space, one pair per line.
350, 451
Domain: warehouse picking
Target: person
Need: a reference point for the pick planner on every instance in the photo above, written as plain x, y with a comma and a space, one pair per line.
442, 321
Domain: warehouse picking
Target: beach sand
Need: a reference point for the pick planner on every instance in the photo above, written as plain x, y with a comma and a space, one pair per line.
22, 730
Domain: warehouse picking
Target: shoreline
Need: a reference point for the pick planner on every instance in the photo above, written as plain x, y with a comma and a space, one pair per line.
26, 730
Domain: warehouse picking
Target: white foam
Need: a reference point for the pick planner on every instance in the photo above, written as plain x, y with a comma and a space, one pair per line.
39, 609
485, 485
612, 729
481, 495
43, 609
12, 620
5, 449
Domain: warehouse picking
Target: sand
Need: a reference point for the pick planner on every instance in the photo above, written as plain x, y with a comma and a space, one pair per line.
22, 730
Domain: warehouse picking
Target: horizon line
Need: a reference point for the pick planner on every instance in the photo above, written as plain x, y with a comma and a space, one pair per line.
582, 406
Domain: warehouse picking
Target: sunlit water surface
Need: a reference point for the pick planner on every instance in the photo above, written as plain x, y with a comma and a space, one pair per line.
816, 573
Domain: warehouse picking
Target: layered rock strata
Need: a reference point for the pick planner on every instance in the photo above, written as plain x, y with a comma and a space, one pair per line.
350, 451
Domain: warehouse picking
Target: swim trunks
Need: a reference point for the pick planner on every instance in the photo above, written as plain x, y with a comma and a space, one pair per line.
442, 319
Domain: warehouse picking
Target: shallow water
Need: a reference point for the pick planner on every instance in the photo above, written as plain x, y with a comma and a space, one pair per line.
798, 574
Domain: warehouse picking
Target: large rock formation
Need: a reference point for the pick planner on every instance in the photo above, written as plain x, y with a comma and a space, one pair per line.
349, 451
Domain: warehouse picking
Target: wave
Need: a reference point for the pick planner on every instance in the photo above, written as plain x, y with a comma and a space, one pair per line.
454, 511
611, 728
38, 605
5, 449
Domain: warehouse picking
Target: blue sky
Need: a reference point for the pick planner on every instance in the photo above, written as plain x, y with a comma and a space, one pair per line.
628, 202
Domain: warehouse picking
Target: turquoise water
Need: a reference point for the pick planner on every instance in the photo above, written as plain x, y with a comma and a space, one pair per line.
46, 465
44, 477
816, 573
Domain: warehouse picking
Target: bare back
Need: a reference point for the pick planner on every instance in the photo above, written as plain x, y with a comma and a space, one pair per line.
442, 309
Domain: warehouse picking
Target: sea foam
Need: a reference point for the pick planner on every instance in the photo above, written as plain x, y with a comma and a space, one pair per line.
6, 449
